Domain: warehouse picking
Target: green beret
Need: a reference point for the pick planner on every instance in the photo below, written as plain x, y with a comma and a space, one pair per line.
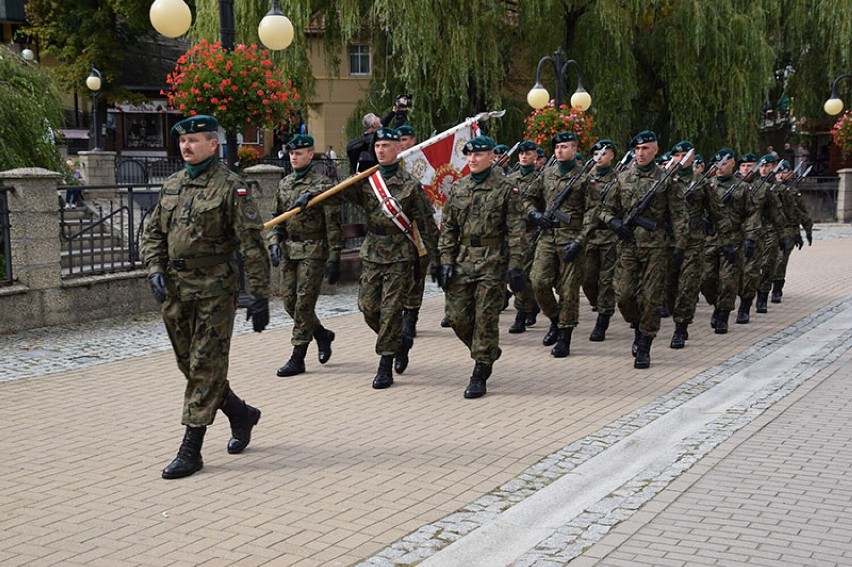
603, 143
193, 124
406, 130
385, 133
718, 156
768, 158
300, 141
785, 165
540, 152
643, 137
478, 144
501, 149
748, 158
563, 137
683, 146
698, 159
527, 146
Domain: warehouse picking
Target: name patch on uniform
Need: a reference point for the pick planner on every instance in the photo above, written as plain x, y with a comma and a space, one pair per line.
242, 191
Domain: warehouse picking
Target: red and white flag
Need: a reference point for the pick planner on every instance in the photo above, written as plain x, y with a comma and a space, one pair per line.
440, 165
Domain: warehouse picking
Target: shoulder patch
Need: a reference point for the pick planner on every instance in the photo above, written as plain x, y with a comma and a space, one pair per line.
251, 212
242, 191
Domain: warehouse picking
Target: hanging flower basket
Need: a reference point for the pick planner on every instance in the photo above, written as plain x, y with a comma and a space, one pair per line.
546, 122
240, 88
842, 132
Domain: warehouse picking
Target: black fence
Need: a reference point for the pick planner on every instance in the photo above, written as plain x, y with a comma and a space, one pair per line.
103, 237
145, 170
6, 275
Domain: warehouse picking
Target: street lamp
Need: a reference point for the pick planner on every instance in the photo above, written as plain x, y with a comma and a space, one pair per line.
94, 82
538, 97
834, 105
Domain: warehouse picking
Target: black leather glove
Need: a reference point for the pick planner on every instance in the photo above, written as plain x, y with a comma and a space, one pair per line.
332, 272
435, 272
301, 202
258, 312
445, 275
749, 248
730, 254
517, 280
810, 236
677, 259
798, 242
624, 233
158, 286
540, 220
782, 244
275, 254
571, 251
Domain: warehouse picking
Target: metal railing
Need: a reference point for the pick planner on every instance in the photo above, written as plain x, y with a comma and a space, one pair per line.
822, 197
145, 169
103, 237
6, 275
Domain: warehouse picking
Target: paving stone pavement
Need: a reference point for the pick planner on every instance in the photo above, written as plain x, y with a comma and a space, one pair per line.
338, 473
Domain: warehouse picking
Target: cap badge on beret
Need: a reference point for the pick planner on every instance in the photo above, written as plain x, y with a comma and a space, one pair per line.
748, 158
683, 146
768, 158
300, 141
478, 144
563, 137
501, 149
643, 137
527, 146
388, 134
603, 143
406, 130
193, 124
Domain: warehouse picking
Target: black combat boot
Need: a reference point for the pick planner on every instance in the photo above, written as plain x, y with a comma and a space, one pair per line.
562, 348
722, 322
762, 304
680, 335
409, 322
643, 352
743, 316
601, 325
777, 291
664, 310
324, 337
531, 316
550, 338
714, 318
384, 375
296, 364
520, 324
188, 460
476, 387
400, 362
243, 418
445, 323
637, 336
506, 299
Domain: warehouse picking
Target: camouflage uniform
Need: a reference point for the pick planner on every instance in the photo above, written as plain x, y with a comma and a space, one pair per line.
414, 297
307, 241
601, 252
191, 236
482, 235
796, 214
524, 299
772, 224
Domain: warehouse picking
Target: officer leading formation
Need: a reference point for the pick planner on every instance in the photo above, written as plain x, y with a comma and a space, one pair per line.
644, 234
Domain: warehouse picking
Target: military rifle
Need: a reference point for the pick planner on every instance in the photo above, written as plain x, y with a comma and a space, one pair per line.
800, 177
726, 196
504, 159
710, 170
634, 216
621, 166
536, 174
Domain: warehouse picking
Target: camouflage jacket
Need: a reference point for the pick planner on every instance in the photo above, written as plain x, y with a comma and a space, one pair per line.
314, 234
742, 215
483, 225
769, 205
702, 202
601, 234
666, 208
795, 212
543, 192
202, 222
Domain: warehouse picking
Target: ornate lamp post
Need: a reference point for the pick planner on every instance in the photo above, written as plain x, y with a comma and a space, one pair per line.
538, 97
172, 18
834, 105
94, 82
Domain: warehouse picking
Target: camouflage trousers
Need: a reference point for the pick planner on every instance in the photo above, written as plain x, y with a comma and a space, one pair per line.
474, 302
598, 276
719, 278
200, 332
687, 283
550, 273
750, 274
525, 299
640, 284
381, 296
414, 297
300, 287
780, 270
769, 260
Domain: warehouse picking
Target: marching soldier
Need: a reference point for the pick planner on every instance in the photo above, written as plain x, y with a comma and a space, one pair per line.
558, 263
640, 273
601, 250
204, 214
775, 243
482, 235
796, 214
525, 304
307, 245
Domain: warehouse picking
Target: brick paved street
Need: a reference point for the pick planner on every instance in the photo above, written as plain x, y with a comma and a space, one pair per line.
338, 473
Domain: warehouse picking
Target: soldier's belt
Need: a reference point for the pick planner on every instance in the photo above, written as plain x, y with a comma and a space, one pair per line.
477, 241
184, 264
305, 236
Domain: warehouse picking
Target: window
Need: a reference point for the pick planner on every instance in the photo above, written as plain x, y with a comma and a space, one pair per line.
359, 59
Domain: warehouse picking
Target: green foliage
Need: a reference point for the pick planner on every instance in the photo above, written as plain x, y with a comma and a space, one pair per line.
842, 132
29, 112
